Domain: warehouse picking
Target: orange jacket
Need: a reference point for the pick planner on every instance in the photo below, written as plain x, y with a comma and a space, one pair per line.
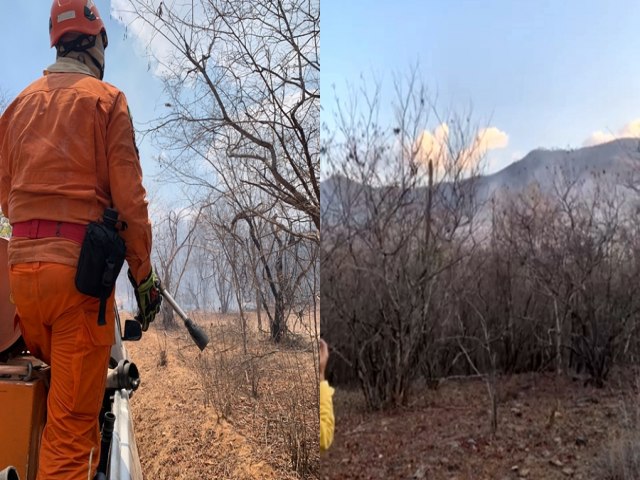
67, 151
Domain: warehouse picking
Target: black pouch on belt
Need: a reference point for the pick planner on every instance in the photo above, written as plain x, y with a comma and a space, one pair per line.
101, 259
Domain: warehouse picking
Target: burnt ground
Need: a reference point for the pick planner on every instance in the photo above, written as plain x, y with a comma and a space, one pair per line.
221, 414
548, 428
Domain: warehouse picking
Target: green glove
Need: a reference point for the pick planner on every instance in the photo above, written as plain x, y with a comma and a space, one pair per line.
148, 298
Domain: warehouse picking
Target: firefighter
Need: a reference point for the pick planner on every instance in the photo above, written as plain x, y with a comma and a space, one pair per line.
67, 152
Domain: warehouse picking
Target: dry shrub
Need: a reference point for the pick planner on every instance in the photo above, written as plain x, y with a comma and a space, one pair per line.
272, 389
218, 369
621, 456
163, 357
296, 423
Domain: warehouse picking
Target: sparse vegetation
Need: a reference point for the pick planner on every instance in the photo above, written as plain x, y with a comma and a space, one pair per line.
240, 135
422, 280
620, 459
426, 280
276, 383
247, 416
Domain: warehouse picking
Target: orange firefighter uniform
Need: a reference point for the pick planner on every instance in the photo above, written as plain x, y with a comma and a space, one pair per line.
67, 152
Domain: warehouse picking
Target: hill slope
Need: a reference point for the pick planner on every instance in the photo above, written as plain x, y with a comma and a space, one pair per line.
612, 163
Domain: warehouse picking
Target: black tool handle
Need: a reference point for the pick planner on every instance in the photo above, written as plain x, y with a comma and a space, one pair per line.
105, 443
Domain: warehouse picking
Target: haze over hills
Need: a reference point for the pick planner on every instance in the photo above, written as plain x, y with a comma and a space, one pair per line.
612, 163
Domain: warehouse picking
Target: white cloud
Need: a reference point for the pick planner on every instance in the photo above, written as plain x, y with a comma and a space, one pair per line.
630, 130
148, 38
163, 36
598, 137
432, 145
436, 146
491, 138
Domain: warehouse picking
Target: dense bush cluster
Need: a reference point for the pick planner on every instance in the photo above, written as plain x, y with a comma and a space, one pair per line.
425, 275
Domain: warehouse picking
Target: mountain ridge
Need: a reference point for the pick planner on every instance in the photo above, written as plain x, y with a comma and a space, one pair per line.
614, 161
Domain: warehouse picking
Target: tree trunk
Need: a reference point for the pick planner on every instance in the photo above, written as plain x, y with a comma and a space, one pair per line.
277, 326
168, 315
558, 339
259, 309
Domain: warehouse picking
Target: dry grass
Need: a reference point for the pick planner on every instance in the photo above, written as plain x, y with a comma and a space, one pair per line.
275, 386
443, 434
224, 413
620, 459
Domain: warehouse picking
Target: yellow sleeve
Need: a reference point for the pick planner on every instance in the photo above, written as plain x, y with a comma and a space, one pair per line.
327, 420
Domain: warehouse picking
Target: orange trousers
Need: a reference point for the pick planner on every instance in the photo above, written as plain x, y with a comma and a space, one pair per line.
60, 326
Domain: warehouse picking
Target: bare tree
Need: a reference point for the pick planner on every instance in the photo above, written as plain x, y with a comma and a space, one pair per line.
173, 244
210, 265
565, 259
419, 272
388, 263
244, 96
222, 284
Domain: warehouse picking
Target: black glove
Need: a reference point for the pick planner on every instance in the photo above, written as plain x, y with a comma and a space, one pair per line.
148, 298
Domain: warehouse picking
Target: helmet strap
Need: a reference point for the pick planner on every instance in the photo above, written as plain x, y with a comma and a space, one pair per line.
82, 43
79, 44
98, 65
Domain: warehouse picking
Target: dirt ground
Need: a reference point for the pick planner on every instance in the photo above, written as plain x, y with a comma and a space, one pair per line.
196, 418
549, 428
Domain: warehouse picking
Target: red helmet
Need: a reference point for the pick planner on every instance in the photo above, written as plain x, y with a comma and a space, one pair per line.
80, 16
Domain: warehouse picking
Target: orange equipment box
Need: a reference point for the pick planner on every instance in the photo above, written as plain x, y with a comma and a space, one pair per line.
23, 413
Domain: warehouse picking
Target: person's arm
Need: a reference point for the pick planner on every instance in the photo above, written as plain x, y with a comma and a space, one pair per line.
327, 419
127, 192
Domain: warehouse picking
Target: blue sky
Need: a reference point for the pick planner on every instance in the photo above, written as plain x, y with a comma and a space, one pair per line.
544, 73
26, 53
